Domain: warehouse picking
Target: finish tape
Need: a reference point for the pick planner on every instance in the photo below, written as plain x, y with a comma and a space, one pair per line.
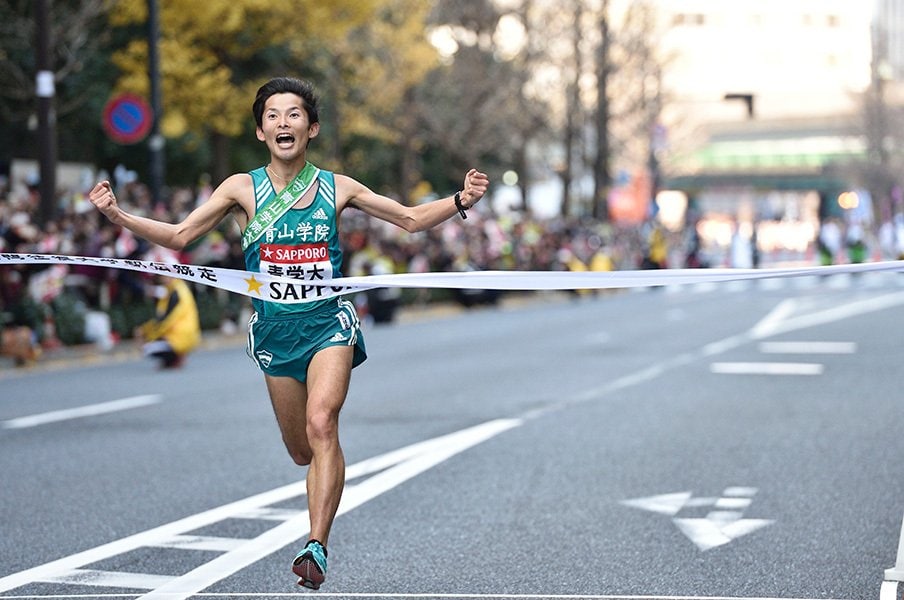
285, 290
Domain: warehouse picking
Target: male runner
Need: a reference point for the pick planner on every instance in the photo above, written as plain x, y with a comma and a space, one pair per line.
289, 211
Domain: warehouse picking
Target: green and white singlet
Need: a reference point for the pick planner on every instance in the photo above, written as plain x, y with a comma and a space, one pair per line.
302, 244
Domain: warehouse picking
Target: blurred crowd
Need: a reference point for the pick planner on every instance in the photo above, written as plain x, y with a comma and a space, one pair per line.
63, 304
57, 302
47, 306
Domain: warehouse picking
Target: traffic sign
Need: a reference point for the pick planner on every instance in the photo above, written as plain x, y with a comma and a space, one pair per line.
127, 118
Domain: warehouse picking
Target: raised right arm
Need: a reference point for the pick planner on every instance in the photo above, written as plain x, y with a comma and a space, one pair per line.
234, 193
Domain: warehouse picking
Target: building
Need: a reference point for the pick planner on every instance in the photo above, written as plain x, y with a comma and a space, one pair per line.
764, 109
889, 36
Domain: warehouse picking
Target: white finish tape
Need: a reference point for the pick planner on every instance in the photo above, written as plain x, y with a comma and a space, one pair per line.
289, 291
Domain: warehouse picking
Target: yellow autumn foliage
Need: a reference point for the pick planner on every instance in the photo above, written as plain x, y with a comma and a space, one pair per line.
199, 40
385, 60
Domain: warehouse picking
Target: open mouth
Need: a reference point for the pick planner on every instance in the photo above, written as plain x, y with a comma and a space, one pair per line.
285, 138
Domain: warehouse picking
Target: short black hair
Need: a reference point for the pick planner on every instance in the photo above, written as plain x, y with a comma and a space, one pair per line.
286, 85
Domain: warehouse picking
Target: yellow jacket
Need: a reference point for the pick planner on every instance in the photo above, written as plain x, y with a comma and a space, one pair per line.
659, 253
176, 318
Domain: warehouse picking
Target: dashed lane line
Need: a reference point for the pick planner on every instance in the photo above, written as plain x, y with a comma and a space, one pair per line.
766, 368
81, 412
808, 347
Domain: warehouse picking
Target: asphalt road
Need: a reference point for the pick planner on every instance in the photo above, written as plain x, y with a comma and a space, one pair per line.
733, 441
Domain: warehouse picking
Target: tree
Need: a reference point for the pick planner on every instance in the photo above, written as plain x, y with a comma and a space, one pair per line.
530, 104
615, 50
215, 54
477, 111
81, 76
602, 174
574, 109
582, 87
636, 132
369, 76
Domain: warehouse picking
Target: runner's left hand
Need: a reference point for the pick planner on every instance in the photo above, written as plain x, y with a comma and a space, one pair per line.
476, 184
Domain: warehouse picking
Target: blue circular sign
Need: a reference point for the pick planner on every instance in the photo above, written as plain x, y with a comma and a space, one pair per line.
127, 118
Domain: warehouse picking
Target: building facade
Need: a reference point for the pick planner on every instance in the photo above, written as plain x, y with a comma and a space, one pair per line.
764, 108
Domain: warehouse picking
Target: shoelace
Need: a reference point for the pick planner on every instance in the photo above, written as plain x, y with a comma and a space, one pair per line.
317, 553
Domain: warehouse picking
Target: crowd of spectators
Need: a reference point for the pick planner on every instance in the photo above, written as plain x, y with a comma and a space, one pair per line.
54, 301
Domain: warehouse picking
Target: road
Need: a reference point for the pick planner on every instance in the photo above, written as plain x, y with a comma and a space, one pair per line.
735, 441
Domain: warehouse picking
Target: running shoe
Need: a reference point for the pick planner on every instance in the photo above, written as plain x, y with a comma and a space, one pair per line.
310, 565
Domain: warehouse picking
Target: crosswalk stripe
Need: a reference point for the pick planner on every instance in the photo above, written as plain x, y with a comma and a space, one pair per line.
117, 579
200, 542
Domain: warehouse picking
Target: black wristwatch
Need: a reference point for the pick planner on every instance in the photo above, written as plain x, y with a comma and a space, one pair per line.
459, 206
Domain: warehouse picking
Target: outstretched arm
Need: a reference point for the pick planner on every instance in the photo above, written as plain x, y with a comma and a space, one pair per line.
175, 236
410, 218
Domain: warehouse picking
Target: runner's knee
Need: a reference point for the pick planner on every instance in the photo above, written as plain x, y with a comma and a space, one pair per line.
300, 456
322, 426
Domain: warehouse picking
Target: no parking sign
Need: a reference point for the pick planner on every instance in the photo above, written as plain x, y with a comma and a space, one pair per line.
127, 118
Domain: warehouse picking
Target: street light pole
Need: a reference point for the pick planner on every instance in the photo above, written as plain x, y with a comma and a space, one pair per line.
45, 91
747, 99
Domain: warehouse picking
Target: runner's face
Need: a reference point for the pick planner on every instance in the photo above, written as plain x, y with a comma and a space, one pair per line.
284, 127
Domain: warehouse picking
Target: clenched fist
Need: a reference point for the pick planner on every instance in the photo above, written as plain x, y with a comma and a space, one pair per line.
103, 198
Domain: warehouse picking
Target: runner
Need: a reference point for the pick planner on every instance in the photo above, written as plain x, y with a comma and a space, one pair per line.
288, 211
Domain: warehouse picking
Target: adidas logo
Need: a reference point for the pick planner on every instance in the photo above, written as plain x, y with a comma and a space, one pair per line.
320, 215
339, 337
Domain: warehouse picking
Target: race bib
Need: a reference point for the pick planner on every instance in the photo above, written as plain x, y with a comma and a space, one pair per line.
307, 262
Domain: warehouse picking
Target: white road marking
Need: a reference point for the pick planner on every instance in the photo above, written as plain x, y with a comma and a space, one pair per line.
779, 320
664, 504
739, 490
774, 325
732, 503
269, 514
393, 469
719, 527
201, 542
808, 347
709, 533
141, 581
770, 327
425, 596
280, 536
774, 318
766, 368
81, 411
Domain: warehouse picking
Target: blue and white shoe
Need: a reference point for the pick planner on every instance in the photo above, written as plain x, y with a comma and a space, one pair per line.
310, 565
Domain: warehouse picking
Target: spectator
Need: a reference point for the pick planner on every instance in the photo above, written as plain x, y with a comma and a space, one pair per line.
175, 329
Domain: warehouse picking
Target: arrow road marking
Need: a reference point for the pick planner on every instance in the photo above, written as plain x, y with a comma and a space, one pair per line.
707, 534
664, 504
724, 524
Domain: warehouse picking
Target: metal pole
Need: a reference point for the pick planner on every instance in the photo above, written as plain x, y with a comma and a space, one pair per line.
45, 91
155, 141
